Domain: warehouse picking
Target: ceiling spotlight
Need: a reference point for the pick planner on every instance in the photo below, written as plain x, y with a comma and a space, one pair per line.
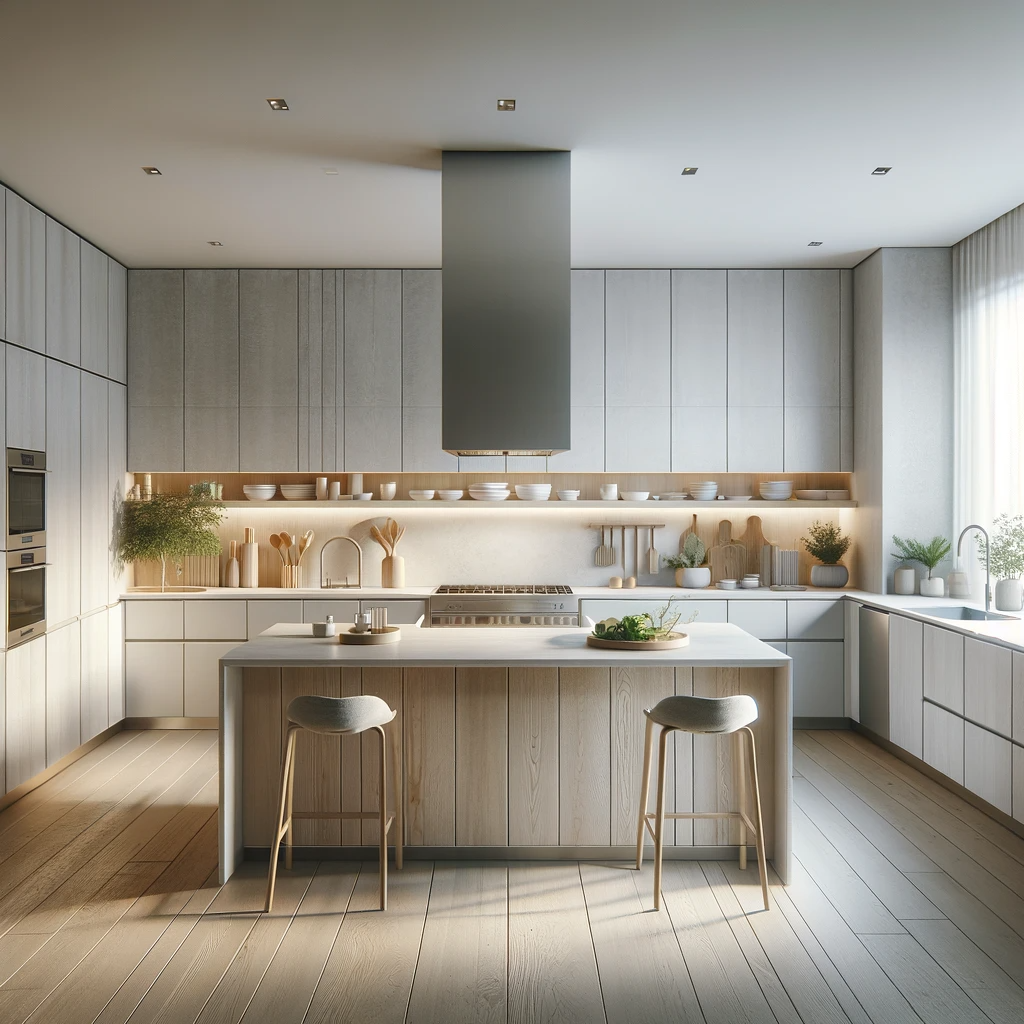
151, 170
881, 170
278, 104
814, 243
215, 243
506, 104
689, 170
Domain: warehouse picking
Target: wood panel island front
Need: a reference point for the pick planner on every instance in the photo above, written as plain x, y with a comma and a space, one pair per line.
516, 743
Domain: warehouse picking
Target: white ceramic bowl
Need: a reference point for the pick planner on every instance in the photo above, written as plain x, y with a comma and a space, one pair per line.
568, 495
259, 492
490, 486
726, 584
776, 490
533, 492
750, 584
449, 495
489, 495
635, 495
704, 491
365, 496
421, 495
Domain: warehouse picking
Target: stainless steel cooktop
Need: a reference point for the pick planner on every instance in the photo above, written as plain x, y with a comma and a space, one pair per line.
487, 588
526, 604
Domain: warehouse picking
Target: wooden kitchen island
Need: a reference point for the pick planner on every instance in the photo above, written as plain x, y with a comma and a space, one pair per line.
517, 743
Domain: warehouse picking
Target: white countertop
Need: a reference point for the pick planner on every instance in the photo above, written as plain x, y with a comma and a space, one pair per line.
293, 645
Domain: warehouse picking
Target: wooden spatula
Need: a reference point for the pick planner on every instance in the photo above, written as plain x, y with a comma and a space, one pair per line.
653, 558
605, 555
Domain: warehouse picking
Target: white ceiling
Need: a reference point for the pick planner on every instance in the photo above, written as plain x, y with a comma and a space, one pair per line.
785, 107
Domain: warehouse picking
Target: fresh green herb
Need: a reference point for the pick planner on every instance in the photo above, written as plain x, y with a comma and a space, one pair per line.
1007, 556
643, 627
825, 542
691, 556
929, 555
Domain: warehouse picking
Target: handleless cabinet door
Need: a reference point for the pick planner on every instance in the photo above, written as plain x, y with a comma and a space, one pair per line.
26, 399
317, 611
268, 342
400, 613
154, 680
63, 293
988, 685
1018, 699
117, 469
95, 680
215, 620
944, 742
944, 668
63, 493
26, 274
988, 766
3, 277
95, 479
202, 678
154, 620
95, 312
906, 683
117, 322
26, 711
764, 619
263, 614
156, 386
815, 620
63, 691
115, 664
818, 678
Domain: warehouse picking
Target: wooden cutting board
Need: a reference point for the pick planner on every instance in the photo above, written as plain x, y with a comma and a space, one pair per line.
692, 528
727, 558
753, 541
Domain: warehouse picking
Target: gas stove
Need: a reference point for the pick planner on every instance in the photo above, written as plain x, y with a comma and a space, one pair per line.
504, 605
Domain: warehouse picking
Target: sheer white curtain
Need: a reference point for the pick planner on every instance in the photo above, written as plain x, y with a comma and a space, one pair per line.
988, 311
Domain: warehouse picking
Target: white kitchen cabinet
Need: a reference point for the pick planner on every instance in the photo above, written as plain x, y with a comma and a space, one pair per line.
906, 684
202, 678
154, 620
26, 711
117, 468
944, 741
117, 322
215, 620
156, 371
26, 274
63, 493
3, 422
95, 715
700, 440
95, 499
154, 679
115, 664
988, 685
95, 314
310, 342
944, 668
846, 370
764, 619
811, 439
988, 766
63, 691
604, 608
211, 370
1018, 782
1017, 726
637, 439
3, 284
3, 660
815, 620
400, 613
317, 611
63, 293
263, 614
818, 678
756, 439
26, 399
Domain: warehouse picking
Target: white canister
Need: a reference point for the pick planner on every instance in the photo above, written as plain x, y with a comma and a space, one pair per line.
388, 491
355, 483
609, 492
321, 488
904, 580
334, 490
933, 586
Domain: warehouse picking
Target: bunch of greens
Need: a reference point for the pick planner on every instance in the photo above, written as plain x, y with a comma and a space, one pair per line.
691, 556
643, 627
929, 555
1007, 554
825, 542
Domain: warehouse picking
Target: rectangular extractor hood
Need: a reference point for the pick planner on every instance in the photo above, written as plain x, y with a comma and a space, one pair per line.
505, 302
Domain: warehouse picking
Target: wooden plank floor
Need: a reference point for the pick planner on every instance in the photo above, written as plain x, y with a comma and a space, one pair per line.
907, 906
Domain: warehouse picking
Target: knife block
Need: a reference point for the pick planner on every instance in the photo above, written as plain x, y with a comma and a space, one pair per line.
392, 572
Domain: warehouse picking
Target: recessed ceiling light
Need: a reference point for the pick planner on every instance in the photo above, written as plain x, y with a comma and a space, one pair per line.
151, 170
215, 243
330, 170
689, 170
506, 104
881, 170
815, 243
278, 104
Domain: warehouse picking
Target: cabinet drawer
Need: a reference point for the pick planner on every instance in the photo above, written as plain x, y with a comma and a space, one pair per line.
707, 611
1018, 699
764, 619
944, 742
944, 668
154, 620
317, 611
818, 679
263, 614
400, 613
215, 620
988, 766
202, 678
988, 685
1018, 782
153, 675
815, 620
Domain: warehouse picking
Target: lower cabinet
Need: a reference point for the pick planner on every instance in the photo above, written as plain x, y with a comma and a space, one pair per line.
95, 684
603, 608
988, 766
154, 679
944, 742
26, 711
263, 614
1018, 782
906, 684
63, 691
819, 684
202, 678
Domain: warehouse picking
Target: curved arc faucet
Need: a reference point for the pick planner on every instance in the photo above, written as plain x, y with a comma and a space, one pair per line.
328, 585
988, 557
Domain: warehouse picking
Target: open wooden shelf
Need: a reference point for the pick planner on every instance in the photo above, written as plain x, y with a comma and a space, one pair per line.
735, 506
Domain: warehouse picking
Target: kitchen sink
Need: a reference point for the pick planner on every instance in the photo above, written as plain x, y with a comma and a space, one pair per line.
965, 614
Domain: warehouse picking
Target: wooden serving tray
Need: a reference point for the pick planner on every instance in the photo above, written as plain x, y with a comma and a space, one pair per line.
391, 635
674, 640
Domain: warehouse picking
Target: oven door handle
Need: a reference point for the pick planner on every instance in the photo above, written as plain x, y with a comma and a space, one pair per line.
27, 472
29, 568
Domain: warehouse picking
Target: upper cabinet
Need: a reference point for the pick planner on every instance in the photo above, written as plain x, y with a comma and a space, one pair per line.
117, 321
26, 399
26, 274
95, 314
63, 293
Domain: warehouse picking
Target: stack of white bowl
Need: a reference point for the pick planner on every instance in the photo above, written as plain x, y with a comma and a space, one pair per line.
533, 492
423, 495
298, 492
706, 490
489, 492
449, 495
259, 492
776, 490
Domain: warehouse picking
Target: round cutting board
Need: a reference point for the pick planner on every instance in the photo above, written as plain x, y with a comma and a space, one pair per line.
391, 635
674, 640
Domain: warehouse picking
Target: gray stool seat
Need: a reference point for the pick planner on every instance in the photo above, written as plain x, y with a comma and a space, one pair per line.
339, 714
704, 714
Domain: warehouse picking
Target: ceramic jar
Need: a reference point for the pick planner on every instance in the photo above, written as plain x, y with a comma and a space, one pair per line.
904, 580
1009, 595
829, 575
699, 576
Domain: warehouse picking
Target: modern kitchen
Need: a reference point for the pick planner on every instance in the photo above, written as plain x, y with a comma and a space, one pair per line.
494, 533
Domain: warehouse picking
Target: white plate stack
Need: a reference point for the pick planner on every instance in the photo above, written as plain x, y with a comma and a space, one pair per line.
706, 490
489, 491
298, 492
776, 490
533, 492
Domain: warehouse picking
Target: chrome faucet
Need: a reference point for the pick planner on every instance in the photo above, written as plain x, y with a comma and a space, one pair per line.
327, 584
988, 557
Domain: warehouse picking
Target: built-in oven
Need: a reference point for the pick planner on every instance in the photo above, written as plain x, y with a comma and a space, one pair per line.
26, 499
26, 595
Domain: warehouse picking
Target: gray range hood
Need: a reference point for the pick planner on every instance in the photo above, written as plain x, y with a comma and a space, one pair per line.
505, 304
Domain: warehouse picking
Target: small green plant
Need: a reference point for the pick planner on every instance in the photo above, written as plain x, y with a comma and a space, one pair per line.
643, 627
1007, 555
929, 555
825, 542
167, 526
691, 556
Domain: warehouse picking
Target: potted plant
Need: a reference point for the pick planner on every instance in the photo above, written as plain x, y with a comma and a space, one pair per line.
825, 542
1006, 560
929, 555
167, 526
687, 564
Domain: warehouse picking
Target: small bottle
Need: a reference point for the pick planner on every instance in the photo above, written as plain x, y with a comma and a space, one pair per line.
330, 625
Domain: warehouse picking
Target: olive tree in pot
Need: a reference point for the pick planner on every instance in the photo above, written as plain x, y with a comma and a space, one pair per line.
687, 564
1006, 558
929, 555
826, 543
167, 526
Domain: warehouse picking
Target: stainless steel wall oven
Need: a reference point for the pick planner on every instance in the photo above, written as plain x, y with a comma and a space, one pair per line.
26, 499
26, 595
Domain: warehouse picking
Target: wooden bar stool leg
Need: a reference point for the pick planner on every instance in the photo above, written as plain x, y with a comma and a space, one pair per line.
383, 797
645, 790
761, 863
397, 785
279, 826
741, 796
289, 836
659, 823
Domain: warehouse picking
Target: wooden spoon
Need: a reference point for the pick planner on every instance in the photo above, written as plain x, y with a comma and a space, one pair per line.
398, 537
276, 543
379, 537
288, 542
304, 541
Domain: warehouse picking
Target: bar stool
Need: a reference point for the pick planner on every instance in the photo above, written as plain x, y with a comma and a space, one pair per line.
338, 716
700, 715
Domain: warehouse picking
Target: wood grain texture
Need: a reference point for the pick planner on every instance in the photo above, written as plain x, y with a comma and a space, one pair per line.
64, 294
481, 756
351, 765
26, 274
63, 691
944, 742
988, 685
944, 667
988, 766
385, 683
584, 757
94, 312
906, 683
1018, 698
26, 711
533, 757
261, 753
429, 725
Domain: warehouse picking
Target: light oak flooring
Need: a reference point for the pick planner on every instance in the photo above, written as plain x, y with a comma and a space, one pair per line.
907, 905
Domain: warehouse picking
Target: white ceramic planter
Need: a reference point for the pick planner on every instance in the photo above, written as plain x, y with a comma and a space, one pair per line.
1009, 595
829, 575
904, 580
933, 586
698, 577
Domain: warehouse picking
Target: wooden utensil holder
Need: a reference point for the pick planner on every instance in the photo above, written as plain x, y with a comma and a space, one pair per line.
392, 572
291, 576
